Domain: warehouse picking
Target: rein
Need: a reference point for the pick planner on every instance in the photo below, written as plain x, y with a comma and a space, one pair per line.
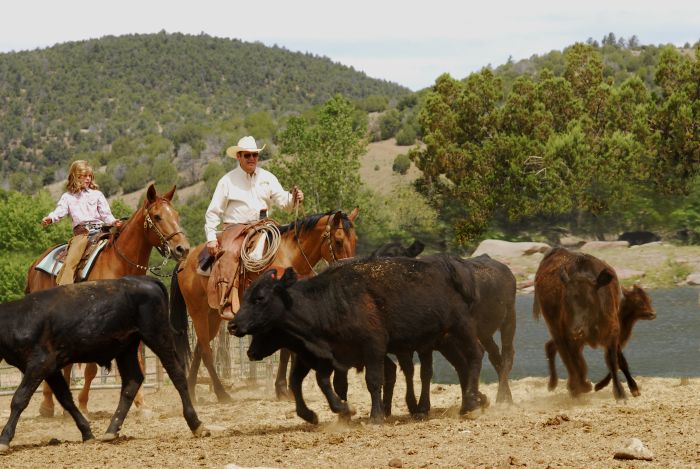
326, 235
162, 248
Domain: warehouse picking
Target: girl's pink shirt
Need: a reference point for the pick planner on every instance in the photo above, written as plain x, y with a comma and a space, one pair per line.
86, 206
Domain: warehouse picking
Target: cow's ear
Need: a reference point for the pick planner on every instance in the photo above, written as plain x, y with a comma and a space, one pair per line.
289, 278
415, 248
604, 278
563, 274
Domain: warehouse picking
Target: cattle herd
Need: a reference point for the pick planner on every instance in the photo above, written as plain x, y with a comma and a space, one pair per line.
352, 315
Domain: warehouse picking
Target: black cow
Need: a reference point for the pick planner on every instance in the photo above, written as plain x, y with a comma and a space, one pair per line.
638, 237
356, 312
83, 323
494, 309
397, 250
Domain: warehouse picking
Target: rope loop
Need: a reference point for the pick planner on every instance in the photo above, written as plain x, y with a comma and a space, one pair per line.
270, 230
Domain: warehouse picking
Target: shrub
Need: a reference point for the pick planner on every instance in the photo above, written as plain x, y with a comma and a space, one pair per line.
401, 164
406, 136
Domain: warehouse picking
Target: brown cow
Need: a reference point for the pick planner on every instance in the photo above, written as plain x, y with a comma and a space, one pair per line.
635, 305
579, 296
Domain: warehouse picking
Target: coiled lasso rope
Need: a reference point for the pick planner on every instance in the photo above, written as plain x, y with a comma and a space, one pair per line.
271, 231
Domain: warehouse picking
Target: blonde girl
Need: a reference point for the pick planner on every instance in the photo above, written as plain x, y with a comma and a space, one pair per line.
88, 209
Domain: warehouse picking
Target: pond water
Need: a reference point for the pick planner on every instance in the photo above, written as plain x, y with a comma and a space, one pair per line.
669, 346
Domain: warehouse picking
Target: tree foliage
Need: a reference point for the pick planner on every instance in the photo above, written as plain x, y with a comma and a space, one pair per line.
322, 157
575, 146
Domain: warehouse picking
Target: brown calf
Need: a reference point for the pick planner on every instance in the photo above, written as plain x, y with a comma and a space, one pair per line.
579, 296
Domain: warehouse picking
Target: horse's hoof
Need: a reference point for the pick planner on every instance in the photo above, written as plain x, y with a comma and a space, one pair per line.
420, 416
90, 440
45, 411
109, 437
224, 398
201, 431
283, 394
145, 413
4, 449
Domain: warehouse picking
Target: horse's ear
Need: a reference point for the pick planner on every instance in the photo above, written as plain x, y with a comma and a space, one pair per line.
151, 194
170, 194
354, 213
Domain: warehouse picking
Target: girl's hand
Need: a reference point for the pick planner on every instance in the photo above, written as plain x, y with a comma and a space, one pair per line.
46, 221
118, 223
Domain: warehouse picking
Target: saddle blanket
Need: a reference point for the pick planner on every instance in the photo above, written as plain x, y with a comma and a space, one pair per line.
52, 266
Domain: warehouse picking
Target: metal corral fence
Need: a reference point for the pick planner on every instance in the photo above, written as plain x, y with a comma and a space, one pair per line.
230, 358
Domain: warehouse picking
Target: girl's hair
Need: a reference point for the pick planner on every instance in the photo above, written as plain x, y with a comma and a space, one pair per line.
79, 168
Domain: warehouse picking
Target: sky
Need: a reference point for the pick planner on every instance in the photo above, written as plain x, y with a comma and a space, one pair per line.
407, 42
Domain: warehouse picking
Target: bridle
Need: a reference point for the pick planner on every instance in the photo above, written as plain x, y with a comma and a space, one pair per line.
163, 247
325, 236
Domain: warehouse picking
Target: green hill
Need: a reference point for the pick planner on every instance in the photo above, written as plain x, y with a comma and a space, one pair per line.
82, 97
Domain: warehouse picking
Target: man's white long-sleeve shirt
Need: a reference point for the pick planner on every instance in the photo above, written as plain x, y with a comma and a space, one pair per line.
240, 196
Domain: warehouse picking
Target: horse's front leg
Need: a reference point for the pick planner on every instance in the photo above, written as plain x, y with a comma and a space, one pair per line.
90, 373
140, 400
281, 390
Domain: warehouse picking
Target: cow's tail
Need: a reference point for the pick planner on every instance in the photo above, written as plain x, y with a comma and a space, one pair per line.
536, 311
462, 279
179, 323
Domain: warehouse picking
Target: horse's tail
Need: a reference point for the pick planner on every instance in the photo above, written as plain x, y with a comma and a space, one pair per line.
178, 320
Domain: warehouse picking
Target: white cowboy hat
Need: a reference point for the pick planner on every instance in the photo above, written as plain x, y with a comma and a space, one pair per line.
247, 143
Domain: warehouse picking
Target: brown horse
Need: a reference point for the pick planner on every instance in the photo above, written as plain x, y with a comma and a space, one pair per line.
155, 224
330, 236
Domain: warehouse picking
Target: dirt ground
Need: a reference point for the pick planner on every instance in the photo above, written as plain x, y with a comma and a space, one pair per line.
541, 429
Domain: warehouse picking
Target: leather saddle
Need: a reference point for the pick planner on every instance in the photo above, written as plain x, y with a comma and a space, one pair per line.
53, 261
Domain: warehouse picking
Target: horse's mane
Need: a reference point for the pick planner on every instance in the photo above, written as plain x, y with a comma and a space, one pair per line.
309, 222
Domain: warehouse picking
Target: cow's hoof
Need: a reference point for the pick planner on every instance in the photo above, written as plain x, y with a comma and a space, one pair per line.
46, 411
351, 410
635, 392
109, 437
552, 384
90, 440
309, 416
376, 420
202, 431
4, 449
420, 415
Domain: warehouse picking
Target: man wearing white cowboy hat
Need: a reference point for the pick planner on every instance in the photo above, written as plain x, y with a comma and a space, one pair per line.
240, 197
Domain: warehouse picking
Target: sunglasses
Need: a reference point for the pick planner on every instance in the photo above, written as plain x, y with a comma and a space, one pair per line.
249, 155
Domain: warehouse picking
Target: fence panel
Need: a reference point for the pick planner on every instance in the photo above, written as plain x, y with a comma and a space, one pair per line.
230, 360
